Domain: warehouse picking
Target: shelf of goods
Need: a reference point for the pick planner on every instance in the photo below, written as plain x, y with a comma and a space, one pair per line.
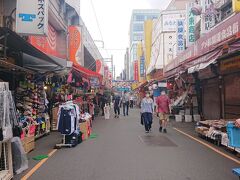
214, 131
34, 119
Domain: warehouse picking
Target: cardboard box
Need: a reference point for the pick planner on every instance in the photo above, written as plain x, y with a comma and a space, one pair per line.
84, 129
54, 118
28, 143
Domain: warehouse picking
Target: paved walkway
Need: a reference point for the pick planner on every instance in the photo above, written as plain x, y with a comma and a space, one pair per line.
122, 151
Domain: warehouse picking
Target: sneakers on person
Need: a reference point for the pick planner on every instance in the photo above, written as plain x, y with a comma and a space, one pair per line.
160, 129
146, 131
165, 131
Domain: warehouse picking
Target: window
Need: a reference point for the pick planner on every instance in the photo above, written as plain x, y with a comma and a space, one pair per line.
138, 27
152, 17
137, 37
139, 18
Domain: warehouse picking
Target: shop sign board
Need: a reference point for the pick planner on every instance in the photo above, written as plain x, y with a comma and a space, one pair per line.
136, 70
180, 35
190, 25
169, 21
94, 82
75, 44
142, 66
99, 66
32, 17
230, 64
208, 42
236, 5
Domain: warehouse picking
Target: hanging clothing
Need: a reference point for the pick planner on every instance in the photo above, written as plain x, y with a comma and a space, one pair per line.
68, 118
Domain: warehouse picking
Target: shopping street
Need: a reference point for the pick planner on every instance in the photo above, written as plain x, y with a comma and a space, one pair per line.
122, 151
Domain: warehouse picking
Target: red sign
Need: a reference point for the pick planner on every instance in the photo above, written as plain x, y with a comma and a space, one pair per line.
208, 42
136, 75
75, 44
49, 43
99, 66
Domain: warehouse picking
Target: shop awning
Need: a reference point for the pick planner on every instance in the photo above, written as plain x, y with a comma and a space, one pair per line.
87, 72
201, 66
39, 65
16, 43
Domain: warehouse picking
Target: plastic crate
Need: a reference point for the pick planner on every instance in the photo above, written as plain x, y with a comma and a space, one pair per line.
233, 135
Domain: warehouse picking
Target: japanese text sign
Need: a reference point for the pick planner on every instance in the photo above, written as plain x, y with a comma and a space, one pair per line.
169, 21
32, 17
142, 66
190, 25
180, 35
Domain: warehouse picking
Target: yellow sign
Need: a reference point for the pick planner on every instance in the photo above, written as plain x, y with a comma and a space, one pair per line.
230, 64
236, 5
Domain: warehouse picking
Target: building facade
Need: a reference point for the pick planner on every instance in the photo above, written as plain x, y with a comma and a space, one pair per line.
137, 32
126, 64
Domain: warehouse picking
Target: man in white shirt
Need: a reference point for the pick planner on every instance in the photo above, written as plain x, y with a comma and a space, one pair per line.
125, 101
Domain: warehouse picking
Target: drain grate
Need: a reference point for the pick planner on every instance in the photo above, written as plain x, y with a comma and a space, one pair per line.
158, 141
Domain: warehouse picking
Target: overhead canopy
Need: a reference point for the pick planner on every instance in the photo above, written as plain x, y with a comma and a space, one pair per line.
33, 58
87, 72
39, 65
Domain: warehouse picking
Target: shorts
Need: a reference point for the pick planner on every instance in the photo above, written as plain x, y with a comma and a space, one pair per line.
164, 116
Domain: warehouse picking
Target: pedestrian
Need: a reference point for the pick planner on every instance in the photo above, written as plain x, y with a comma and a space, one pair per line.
116, 105
107, 111
125, 102
102, 103
164, 109
131, 101
147, 107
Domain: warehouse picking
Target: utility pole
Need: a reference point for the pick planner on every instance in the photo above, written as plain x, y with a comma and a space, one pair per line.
113, 74
114, 70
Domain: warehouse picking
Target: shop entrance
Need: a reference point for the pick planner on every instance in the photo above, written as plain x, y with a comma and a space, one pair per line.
211, 99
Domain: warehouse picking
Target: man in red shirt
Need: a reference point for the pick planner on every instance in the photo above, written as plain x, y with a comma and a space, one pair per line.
163, 108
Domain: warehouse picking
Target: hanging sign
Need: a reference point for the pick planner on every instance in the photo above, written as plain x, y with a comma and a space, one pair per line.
190, 25
142, 66
136, 70
32, 17
180, 35
75, 44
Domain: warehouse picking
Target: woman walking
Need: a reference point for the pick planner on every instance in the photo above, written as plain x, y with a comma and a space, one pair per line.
147, 107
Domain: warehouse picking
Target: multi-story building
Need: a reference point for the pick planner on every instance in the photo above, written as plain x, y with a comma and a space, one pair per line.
137, 32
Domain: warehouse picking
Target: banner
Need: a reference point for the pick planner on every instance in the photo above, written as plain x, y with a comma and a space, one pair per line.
169, 21
32, 17
236, 5
180, 35
75, 44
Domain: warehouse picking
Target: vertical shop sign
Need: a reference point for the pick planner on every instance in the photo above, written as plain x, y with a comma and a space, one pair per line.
136, 70
236, 5
190, 25
75, 44
142, 66
180, 35
32, 17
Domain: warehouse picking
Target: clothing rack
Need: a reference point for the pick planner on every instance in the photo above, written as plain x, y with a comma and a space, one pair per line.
76, 123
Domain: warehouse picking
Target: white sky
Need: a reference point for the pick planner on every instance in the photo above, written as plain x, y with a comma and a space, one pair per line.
114, 20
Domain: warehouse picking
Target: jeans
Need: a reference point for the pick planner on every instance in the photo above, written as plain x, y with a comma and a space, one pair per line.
147, 120
117, 110
125, 108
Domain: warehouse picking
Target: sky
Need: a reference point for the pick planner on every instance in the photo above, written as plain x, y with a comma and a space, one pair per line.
114, 21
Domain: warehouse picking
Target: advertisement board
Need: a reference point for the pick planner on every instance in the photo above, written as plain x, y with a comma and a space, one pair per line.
75, 44
190, 18
169, 21
136, 70
32, 17
142, 66
180, 35
48, 44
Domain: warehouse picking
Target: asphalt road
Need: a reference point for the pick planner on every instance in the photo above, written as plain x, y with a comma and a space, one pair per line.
122, 151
